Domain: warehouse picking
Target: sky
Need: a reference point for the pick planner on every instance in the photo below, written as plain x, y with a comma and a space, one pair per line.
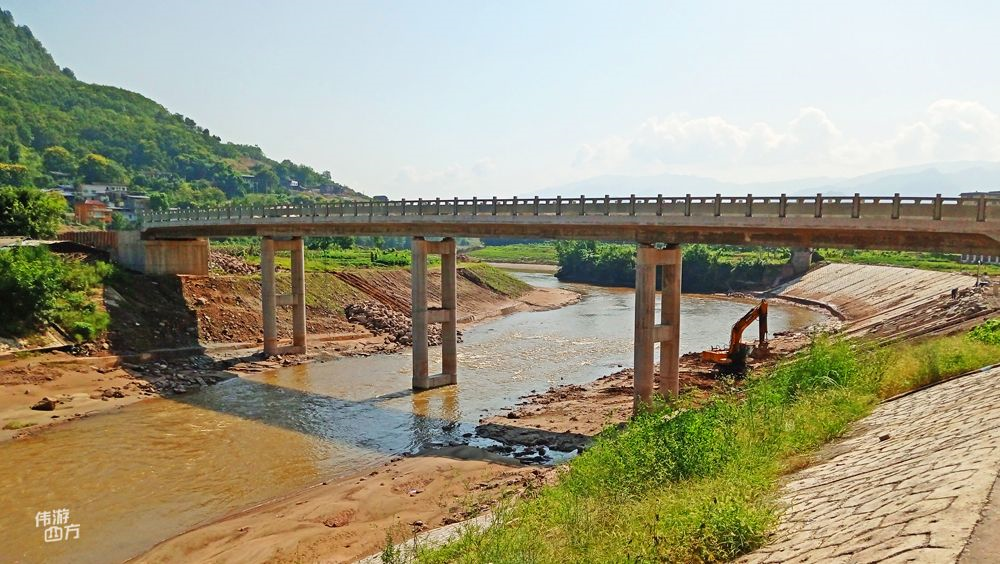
431, 98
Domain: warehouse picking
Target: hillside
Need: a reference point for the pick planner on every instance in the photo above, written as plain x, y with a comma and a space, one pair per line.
54, 124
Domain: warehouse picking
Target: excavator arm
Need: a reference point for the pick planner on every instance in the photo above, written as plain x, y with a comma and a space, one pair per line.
736, 353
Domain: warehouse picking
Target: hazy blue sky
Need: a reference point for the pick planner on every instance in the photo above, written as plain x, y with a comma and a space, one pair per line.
407, 98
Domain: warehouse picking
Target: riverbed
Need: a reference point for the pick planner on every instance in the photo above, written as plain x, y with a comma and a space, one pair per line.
156, 468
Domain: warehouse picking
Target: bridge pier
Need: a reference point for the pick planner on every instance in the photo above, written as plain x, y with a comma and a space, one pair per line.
647, 332
270, 300
446, 315
801, 259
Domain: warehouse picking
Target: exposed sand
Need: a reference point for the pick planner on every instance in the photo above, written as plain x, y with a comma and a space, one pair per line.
345, 520
77, 384
526, 267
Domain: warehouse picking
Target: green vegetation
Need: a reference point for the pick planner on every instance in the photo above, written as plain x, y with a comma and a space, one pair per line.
333, 260
944, 262
30, 212
698, 482
40, 287
495, 279
520, 253
61, 130
917, 364
15, 425
705, 269
988, 332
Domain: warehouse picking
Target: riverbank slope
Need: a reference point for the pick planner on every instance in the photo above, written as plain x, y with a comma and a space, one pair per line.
452, 488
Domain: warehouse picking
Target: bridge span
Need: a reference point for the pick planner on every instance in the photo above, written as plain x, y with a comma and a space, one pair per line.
658, 224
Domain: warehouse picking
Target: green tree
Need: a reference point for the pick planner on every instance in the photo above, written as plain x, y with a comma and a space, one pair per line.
119, 222
13, 175
267, 180
41, 287
58, 159
158, 201
98, 168
323, 243
30, 212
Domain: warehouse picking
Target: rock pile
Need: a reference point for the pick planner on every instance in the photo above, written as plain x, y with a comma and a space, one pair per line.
178, 377
383, 320
224, 262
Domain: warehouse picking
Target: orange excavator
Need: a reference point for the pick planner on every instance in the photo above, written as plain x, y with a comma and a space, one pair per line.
736, 355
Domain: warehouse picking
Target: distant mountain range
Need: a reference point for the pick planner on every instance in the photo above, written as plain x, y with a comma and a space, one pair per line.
947, 179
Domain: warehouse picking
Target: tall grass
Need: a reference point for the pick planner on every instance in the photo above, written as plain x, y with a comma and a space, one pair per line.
692, 483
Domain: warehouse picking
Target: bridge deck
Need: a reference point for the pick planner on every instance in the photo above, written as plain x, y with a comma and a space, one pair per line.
969, 225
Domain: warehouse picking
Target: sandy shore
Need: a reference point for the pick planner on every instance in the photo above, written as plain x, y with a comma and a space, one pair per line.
525, 267
343, 520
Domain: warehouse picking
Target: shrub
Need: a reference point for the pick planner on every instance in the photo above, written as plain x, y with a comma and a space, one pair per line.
30, 212
40, 287
987, 332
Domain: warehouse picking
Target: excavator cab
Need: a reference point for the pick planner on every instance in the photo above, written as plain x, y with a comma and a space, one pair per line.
735, 356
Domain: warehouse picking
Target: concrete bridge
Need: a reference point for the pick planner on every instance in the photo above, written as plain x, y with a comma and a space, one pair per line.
658, 224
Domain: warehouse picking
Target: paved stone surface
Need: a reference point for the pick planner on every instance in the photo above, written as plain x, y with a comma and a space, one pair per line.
909, 484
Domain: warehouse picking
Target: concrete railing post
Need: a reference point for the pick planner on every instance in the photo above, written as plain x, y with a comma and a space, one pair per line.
268, 298
647, 332
447, 314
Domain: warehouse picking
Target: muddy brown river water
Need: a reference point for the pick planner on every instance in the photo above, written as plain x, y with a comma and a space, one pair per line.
158, 467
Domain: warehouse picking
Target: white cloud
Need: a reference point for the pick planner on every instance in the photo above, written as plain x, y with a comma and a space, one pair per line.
412, 181
810, 143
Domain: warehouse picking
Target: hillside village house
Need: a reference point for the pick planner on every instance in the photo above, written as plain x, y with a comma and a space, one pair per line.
103, 192
89, 211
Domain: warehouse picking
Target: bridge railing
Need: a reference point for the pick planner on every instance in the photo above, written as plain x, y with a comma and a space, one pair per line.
935, 208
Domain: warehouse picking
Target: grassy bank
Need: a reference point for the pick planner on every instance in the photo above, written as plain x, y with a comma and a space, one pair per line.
495, 279
698, 483
943, 262
522, 253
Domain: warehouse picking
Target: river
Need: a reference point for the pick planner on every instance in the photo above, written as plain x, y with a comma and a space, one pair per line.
158, 467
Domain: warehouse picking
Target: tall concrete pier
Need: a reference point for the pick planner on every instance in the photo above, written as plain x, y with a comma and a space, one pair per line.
446, 315
296, 299
647, 332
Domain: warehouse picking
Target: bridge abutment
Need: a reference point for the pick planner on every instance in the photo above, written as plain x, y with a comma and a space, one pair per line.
446, 315
270, 299
647, 332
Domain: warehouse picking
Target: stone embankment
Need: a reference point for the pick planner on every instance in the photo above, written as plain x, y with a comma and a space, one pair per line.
908, 484
890, 302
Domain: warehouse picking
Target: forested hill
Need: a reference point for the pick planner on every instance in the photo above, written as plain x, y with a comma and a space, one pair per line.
56, 129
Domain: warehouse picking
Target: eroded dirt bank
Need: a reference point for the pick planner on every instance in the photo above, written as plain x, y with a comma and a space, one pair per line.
869, 300
202, 330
